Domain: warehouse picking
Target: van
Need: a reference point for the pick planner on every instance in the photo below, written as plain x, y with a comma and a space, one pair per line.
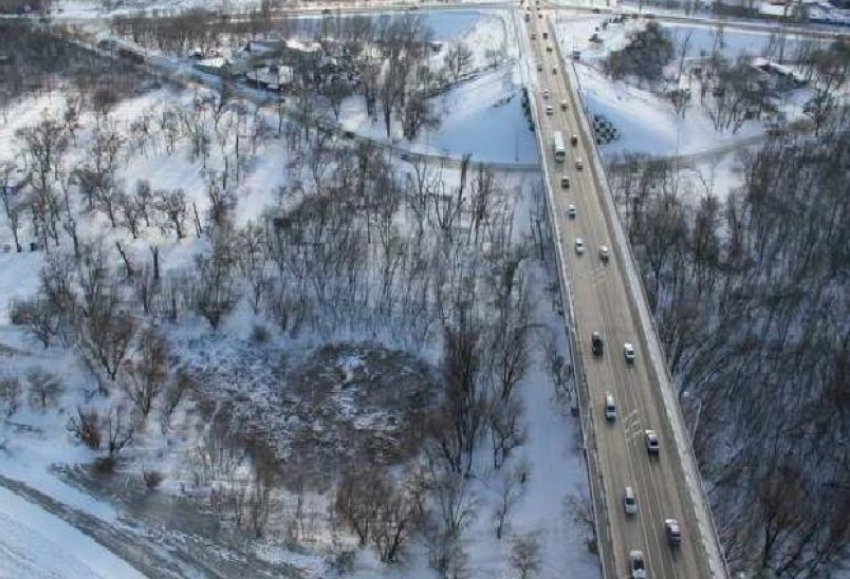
629, 501
610, 408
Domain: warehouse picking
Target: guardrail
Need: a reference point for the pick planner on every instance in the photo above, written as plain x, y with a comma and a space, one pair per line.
649, 338
597, 494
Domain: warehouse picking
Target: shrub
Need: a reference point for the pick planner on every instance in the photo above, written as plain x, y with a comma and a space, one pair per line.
152, 478
85, 426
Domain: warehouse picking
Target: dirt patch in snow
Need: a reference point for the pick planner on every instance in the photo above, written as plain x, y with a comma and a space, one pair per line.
333, 406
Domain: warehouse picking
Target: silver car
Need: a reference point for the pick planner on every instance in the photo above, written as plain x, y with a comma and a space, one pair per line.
629, 352
579, 246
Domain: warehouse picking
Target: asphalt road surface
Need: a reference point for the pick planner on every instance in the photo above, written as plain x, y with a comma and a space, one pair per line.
601, 303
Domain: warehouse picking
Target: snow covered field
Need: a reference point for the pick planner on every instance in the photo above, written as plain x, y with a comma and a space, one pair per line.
485, 119
647, 122
37, 545
481, 116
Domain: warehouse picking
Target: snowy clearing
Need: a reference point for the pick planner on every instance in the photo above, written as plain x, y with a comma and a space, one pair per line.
38, 545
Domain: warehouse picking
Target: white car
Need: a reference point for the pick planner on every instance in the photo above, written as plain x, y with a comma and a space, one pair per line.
629, 352
563, 105
571, 211
579, 246
653, 446
549, 110
579, 164
604, 253
637, 566
546, 93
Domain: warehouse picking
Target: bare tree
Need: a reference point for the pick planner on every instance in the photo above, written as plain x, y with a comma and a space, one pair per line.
458, 58
525, 556
85, 426
172, 203
144, 376
10, 395
215, 292
462, 417
357, 500
456, 506
172, 397
106, 334
253, 263
13, 200
38, 315
417, 114
118, 432
509, 492
394, 523
44, 145
144, 200
507, 430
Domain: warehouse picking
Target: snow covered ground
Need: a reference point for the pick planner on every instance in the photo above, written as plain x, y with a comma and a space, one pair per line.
37, 545
648, 124
646, 121
482, 116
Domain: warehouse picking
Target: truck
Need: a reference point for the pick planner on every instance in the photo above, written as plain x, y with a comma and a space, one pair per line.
558, 147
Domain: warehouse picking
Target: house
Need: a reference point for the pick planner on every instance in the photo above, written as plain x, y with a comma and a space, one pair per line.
217, 65
271, 77
776, 76
264, 47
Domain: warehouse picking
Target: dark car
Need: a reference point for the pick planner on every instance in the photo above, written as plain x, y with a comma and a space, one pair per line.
597, 345
673, 532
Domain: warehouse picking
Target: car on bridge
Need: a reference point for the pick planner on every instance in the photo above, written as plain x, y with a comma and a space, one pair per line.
637, 566
579, 246
629, 501
610, 408
565, 184
673, 532
571, 209
629, 353
653, 446
597, 345
604, 253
